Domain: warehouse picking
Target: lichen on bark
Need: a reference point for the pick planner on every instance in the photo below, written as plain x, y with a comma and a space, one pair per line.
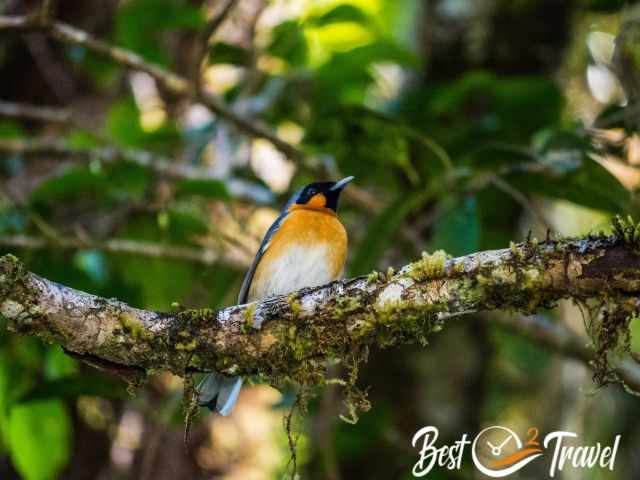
289, 339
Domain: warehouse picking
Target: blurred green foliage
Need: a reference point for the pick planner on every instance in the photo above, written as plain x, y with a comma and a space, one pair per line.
355, 78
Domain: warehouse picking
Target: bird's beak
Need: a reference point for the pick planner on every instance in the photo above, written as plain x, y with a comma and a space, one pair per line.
341, 184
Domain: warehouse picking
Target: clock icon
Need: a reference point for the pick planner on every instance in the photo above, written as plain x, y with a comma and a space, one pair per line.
496, 442
498, 451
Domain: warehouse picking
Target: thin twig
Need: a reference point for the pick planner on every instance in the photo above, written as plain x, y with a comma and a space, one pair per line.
46, 229
180, 86
501, 184
36, 147
121, 245
47, 10
34, 112
560, 339
205, 38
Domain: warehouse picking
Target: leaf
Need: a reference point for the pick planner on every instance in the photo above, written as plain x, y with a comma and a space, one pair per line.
346, 76
103, 184
73, 182
39, 438
81, 139
458, 229
215, 189
493, 156
374, 147
184, 221
123, 125
341, 13
570, 173
557, 165
222, 52
289, 43
588, 184
57, 364
10, 129
127, 180
140, 24
104, 73
381, 231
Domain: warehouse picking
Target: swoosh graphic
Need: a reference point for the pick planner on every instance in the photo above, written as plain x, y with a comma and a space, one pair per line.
515, 457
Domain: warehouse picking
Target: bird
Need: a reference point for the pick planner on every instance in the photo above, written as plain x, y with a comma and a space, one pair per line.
306, 246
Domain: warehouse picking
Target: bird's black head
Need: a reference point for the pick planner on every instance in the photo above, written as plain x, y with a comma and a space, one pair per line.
320, 195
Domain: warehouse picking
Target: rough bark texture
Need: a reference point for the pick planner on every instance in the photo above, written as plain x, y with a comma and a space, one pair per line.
291, 336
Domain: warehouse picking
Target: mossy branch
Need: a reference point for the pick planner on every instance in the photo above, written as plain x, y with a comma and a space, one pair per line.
290, 337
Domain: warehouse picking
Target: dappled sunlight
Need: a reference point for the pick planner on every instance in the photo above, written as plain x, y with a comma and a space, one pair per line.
147, 147
247, 444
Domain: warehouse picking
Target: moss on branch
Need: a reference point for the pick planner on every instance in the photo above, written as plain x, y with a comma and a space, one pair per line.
290, 338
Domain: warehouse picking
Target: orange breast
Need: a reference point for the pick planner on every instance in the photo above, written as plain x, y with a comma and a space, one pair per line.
309, 249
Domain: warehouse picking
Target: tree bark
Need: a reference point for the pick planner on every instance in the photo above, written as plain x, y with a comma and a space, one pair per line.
290, 337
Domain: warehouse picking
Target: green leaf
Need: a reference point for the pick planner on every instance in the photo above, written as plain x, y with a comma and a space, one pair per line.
73, 182
494, 156
123, 125
127, 180
458, 229
346, 76
104, 73
57, 364
39, 438
382, 229
81, 139
557, 165
341, 13
222, 52
185, 220
10, 129
570, 173
103, 184
215, 189
141, 23
588, 184
289, 43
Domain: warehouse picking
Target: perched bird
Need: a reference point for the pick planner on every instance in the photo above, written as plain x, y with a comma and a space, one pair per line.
305, 247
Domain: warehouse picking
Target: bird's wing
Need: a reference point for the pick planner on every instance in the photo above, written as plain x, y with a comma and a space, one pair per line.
248, 278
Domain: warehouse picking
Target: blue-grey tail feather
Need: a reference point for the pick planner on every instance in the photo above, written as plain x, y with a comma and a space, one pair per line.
219, 392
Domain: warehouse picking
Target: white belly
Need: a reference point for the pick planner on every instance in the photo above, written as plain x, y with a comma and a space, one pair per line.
300, 267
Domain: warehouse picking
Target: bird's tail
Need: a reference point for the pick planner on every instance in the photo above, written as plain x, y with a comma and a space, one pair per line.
219, 392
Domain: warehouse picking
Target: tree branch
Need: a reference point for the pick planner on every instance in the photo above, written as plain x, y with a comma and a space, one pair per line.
34, 112
201, 256
559, 338
35, 147
179, 86
174, 83
291, 337
205, 37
